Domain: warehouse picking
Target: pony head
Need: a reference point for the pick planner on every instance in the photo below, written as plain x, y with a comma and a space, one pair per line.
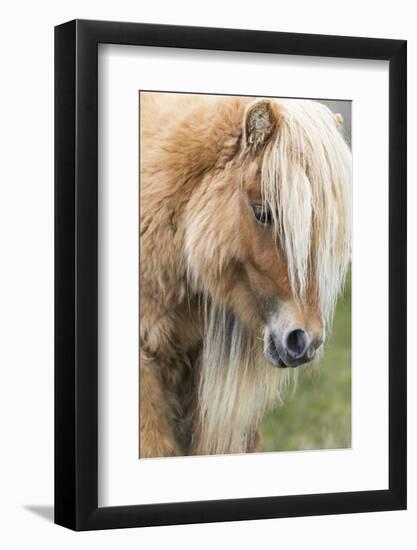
268, 229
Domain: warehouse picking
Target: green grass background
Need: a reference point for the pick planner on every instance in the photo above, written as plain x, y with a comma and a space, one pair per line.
317, 415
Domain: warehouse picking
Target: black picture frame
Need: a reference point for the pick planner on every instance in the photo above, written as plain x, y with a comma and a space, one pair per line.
76, 272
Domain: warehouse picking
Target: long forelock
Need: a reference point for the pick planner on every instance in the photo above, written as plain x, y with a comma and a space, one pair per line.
306, 175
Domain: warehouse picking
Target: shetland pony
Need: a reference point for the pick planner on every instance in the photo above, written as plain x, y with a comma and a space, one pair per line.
244, 245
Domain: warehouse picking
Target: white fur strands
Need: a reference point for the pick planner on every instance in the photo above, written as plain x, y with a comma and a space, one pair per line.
236, 386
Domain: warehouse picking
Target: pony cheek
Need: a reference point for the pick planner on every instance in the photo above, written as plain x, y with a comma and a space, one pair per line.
269, 283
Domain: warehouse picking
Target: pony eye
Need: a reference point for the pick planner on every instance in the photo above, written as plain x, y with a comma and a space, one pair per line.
262, 214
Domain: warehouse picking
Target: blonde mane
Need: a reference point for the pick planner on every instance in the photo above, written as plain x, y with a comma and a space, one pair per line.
236, 385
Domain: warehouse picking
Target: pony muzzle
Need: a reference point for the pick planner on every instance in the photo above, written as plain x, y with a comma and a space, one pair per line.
293, 348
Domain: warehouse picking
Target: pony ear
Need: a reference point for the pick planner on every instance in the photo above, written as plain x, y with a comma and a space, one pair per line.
259, 123
338, 120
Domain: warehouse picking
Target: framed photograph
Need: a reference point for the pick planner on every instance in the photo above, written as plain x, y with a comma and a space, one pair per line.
230, 253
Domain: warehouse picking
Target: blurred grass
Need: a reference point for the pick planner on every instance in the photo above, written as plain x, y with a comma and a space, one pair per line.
318, 414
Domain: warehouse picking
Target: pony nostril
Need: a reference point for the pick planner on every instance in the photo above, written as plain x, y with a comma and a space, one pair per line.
296, 343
